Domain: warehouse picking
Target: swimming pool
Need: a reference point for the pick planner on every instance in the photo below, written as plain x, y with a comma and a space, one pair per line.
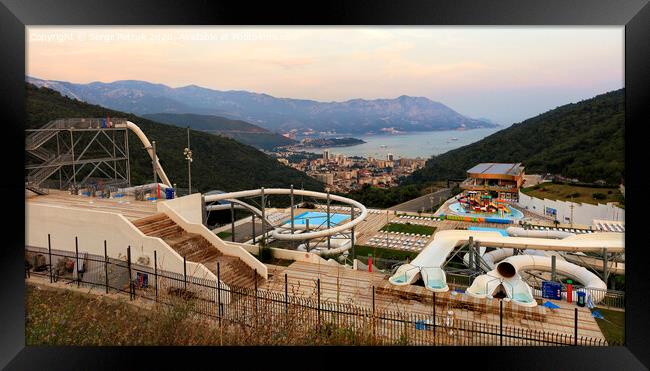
514, 214
318, 219
486, 229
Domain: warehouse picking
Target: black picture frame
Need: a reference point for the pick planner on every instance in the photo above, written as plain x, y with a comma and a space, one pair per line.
16, 14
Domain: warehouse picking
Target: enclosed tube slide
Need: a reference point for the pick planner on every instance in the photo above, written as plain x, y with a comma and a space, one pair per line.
506, 278
283, 233
223, 207
147, 145
521, 232
427, 263
490, 259
320, 248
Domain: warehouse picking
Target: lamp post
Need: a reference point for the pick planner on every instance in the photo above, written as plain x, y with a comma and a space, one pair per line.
187, 152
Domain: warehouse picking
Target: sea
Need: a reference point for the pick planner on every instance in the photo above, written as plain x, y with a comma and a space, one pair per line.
410, 145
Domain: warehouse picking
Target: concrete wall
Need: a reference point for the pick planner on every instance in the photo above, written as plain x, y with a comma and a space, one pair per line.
170, 209
189, 207
92, 228
582, 213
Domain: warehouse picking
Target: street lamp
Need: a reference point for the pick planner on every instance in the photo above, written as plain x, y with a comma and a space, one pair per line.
187, 152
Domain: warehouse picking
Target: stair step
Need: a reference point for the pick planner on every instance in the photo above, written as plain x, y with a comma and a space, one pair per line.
197, 249
149, 219
152, 227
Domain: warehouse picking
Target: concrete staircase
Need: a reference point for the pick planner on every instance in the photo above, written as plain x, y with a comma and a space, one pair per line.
195, 248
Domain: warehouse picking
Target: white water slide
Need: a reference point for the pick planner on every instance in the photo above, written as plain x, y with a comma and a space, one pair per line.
147, 145
284, 234
427, 264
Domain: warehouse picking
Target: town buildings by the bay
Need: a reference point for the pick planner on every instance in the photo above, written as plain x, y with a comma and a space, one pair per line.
345, 174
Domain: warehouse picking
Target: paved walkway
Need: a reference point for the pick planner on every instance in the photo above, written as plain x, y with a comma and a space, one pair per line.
423, 202
127, 206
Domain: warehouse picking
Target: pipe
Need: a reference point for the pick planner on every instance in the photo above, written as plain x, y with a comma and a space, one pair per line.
343, 246
147, 145
521, 232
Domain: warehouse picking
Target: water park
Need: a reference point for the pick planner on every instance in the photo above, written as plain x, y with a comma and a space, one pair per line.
465, 263
482, 204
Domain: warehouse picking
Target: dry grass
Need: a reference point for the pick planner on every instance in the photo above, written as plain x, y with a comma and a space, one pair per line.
64, 317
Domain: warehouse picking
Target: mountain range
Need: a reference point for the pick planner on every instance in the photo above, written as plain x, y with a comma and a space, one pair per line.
355, 116
219, 163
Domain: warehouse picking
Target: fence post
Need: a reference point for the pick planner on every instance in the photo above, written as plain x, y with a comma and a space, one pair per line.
286, 296
128, 257
155, 272
219, 290
76, 257
373, 315
500, 322
184, 273
256, 314
434, 317
318, 291
49, 253
575, 328
106, 266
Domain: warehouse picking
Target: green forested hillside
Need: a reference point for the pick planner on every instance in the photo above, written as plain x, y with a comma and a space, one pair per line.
238, 130
219, 163
581, 140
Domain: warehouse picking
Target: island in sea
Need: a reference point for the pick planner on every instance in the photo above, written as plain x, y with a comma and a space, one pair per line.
328, 142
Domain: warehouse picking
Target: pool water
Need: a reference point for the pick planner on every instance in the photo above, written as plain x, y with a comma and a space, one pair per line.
514, 214
318, 219
436, 283
522, 298
486, 229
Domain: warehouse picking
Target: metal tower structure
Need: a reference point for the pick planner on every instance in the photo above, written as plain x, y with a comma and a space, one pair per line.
72, 153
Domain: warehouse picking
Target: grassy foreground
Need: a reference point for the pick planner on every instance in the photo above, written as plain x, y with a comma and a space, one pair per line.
64, 317
613, 326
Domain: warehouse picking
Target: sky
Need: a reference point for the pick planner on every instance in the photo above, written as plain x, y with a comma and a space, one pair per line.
502, 74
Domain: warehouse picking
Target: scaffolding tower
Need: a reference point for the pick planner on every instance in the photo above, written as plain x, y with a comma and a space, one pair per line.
73, 153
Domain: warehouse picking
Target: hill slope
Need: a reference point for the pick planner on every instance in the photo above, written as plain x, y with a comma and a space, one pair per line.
582, 140
238, 130
219, 163
353, 116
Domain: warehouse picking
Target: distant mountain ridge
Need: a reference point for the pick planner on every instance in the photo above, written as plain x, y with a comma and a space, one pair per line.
238, 130
219, 163
358, 116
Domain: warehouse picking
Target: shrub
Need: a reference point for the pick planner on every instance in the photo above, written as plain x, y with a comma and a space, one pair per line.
266, 254
599, 196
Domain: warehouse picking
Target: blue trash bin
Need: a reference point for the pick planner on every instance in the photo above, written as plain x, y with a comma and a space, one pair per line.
581, 298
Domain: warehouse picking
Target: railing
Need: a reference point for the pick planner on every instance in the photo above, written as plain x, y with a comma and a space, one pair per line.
603, 298
272, 315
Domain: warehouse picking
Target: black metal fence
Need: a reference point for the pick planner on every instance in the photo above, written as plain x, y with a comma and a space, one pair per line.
272, 313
